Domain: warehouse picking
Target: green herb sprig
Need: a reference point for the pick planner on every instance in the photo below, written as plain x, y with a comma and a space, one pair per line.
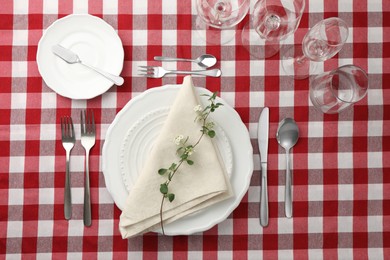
185, 150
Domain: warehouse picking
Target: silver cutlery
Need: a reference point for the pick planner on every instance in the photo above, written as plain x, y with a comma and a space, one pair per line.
287, 136
72, 58
262, 137
88, 133
68, 141
159, 72
204, 61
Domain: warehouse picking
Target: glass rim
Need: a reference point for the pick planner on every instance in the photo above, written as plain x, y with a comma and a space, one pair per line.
333, 90
321, 23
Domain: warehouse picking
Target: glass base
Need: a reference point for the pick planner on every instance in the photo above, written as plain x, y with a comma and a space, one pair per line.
258, 47
213, 35
295, 64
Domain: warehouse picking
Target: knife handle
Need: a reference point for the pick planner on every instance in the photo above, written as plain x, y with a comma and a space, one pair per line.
117, 80
264, 196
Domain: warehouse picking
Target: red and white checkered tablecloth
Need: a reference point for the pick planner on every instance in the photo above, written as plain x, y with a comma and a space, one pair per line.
341, 162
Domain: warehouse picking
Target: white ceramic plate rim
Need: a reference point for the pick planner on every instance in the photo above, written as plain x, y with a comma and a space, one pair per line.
96, 84
226, 117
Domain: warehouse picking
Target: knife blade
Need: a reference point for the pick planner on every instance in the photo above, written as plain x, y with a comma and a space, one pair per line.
262, 137
65, 54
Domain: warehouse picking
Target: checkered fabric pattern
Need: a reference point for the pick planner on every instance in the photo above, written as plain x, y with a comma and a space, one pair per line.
341, 162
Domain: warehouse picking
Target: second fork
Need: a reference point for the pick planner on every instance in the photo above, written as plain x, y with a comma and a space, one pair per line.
87, 126
159, 72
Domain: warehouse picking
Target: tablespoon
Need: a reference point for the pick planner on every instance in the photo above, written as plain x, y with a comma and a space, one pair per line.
287, 136
204, 61
71, 58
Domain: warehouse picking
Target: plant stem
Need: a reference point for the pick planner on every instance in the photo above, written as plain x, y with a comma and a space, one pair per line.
161, 219
177, 167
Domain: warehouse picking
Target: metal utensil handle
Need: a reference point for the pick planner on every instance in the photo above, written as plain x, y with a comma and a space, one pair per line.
264, 196
288, 192
117, 80
212, 73
162, 58
87, 194
67, 192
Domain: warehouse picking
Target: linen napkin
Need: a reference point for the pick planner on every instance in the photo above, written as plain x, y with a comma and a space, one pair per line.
195, 186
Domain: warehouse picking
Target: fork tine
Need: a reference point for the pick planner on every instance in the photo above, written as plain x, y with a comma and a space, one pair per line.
62, 127
87, 122
71, 127
147, 74
146, 67
67, 126
93, 122
82, 121
151, 70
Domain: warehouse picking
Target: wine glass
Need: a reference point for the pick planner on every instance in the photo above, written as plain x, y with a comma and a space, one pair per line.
271, 22
320, 43
217, 19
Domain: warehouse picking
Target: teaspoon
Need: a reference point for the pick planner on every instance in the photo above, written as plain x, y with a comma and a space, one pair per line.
287, 136
204, 61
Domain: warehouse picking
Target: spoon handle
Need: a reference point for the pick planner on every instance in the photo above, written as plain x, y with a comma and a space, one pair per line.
288, 193
212, 73
162, 58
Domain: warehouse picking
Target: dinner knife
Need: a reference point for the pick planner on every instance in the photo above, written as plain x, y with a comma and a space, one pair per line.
262, 137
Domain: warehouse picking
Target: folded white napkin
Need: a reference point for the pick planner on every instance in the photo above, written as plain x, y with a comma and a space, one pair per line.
195, 186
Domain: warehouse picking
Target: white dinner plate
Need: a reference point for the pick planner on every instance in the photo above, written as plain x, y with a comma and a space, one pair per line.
225, 117
94, 41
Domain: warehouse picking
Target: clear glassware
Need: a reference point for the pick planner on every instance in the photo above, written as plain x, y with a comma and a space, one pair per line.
271, 22
217, 19
323, 41
334, 91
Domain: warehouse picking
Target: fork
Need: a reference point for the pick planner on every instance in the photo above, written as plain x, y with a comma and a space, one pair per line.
68, 141
87, 123
159, 72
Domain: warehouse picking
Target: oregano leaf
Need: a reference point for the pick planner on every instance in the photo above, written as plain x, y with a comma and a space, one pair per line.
173, 166
171, 197
211, 133
164, 188
162, 171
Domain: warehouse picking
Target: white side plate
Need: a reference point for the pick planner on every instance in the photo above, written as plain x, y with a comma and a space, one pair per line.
94, 41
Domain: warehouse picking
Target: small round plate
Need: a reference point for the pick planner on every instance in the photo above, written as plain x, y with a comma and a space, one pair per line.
94, 41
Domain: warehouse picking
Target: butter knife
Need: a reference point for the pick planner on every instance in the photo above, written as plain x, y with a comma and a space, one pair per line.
262, 137
71, 58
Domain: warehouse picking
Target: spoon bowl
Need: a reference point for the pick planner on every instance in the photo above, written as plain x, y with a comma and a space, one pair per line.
287, 136
206, 60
